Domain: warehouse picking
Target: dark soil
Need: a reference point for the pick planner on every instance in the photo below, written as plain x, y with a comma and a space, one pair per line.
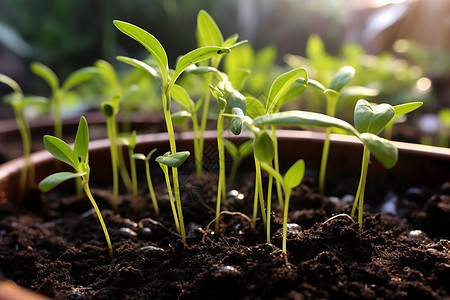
55, 246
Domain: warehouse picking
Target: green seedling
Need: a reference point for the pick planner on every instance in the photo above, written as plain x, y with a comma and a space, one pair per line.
18, 102
174, 160
78, 158
130, 142
264, 151
167, 82
59, 92
209, 35
110, 110
231, 101
237, 154
373, 119
146, 159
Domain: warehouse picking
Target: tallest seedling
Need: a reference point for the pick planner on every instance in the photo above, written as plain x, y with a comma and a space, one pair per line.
167, 82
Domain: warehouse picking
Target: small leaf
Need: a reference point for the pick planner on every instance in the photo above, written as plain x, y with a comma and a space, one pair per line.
53, 180
357, 92
281, 85
173, 160
208, 33
238, 77
383, 150
315, 84
372, 118
246, 148
31, 100
231, 40
294, 174
196, 56
236, 100
182, 97
303, 118
138, 64
149, 42
341, 78
11, 83
180, 117
231, 148
59, 149
81, 145
254, 107
264, 148
78, 77
47, 74
272, 172
149, 155
236, 123
405, 108
138, 156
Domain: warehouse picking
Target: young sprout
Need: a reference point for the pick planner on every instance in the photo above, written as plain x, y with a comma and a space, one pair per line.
174, 160
130, 142
146, 159
373, 119
264, 151
237, 154
59, 92
167, 82
78, 158
110, 110
18, 102
209, 34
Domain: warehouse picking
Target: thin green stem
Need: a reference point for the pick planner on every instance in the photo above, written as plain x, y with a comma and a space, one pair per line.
255, 199
99, 216
133, 179
26, 148
114, 162
204, 120
57, 98
359, 197
169, 191
234, 167
285, 217
277, 167
260, 190
173, 149
151, 189
120, 161
269, 207
221, 188
197, 150
324, 161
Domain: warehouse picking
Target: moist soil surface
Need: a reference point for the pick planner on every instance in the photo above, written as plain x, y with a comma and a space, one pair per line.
53, 244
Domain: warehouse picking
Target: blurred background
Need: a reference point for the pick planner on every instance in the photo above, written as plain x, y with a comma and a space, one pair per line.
399, 47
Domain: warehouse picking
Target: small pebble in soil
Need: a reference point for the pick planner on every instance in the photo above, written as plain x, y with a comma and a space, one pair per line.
418, 237
130, 224
346, 199
234, 195
334, 200
229, 271
390, 204
127, 232
293, 228
152, 249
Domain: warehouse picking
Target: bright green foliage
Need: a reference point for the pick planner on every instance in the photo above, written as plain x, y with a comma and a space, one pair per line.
78, 158
237, 154
173, 160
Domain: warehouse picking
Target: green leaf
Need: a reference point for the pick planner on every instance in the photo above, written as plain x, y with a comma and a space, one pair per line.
11, 83
138, 156
53, 180
296, 89
231, 148
182, 97
47, 74
383, 150
254, 107
303, 118
231, 40
149, 42
138, 64
59, 149
341, 78
196, 56
106, 70
180, 117
111, 108
173, 160
236, 123
315, 84
246, 148
208, 33
78, 77
149, 155
238, 77
281, 85
31, 100
357, 92
264, 148
405, 108
81, 145
294, 174
202, 70
236, 100
370, 118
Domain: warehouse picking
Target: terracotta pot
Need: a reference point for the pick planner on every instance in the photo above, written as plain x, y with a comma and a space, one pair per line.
11, 143
417, 164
